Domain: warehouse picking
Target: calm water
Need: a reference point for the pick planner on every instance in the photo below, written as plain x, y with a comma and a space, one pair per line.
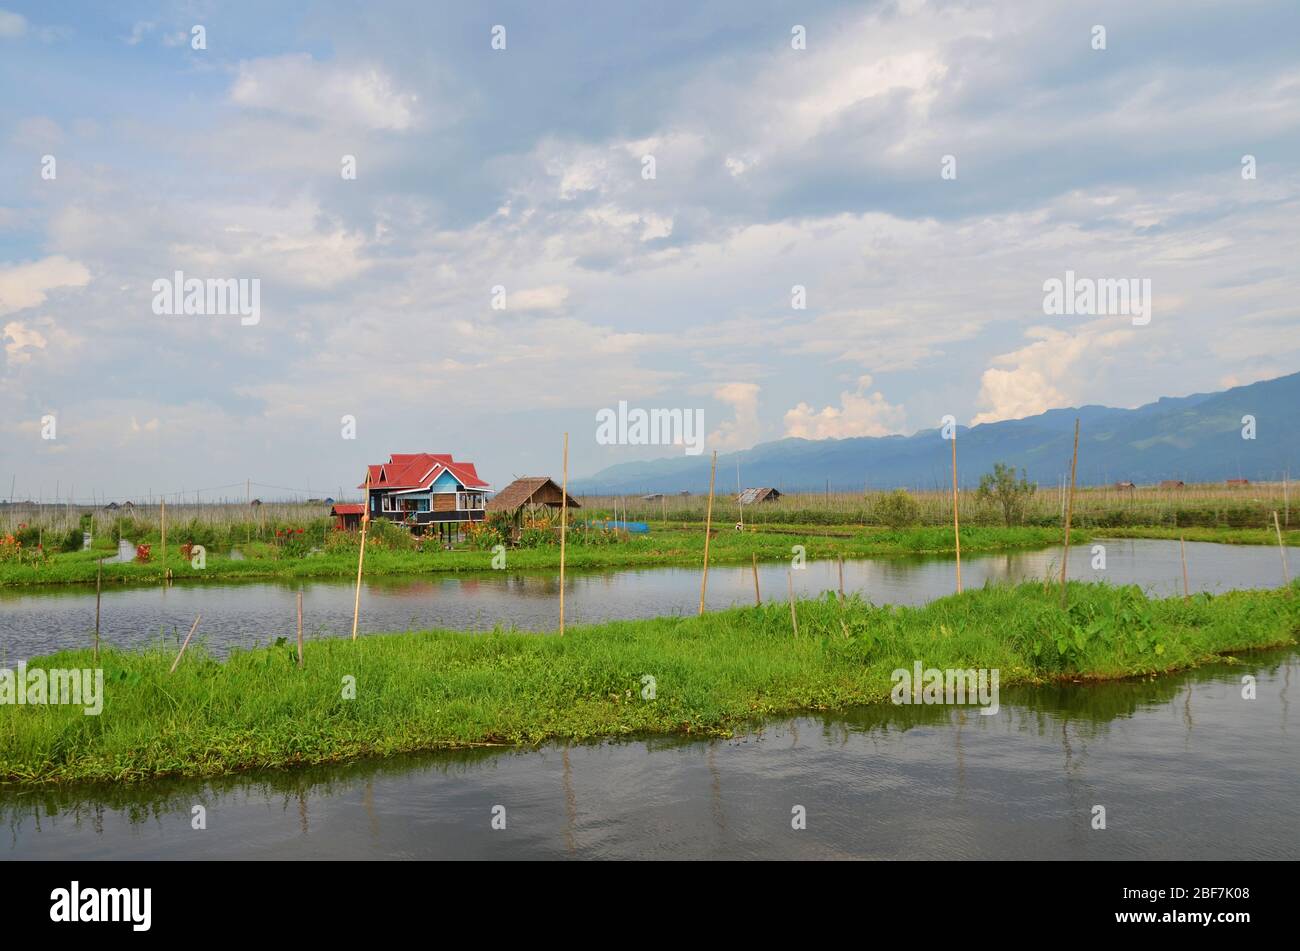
1185, 768
38, 621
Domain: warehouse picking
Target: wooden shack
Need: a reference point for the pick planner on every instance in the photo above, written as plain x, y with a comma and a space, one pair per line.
762, 494
527, 497
347, 517
1172, 484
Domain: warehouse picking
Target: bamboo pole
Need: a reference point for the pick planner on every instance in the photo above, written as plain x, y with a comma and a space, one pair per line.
1069, 510
361, 556
956, 525
708, 528
300, 629
99, 577
193, 628
1286, 570
794, 618
564, 518
1182, 547
758, 598
162, 515
841, 560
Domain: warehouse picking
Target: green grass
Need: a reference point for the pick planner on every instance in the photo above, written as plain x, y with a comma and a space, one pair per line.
443, 689
664, 545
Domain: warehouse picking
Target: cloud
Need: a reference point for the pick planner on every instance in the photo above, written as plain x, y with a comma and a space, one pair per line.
138, 32
12, 24
27, 285
550, 297
23, 341
742, 431
859, 414
1045, 374
297, 85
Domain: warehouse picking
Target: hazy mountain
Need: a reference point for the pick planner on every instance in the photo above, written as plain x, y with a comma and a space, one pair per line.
1194, 438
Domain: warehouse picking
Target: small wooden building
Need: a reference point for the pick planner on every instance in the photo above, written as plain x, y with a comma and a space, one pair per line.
347, 517
1172, 484
527, 496
1238, 482
763, 494
1125, 486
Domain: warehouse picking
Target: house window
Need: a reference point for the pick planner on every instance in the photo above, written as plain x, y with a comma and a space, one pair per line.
469, 501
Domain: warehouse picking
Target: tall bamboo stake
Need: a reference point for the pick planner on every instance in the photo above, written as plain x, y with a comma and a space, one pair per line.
956, 525
361, 557
1069, 509
758, 599
300, 629
794, 618
1286, 570
163, 517
193, 628
841, 560
708, 529
564, 518
99, 577
1182, 546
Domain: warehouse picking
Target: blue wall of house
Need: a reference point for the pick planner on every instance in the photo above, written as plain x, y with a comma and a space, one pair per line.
445, 483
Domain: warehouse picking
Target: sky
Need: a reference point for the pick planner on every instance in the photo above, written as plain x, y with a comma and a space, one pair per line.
557, 207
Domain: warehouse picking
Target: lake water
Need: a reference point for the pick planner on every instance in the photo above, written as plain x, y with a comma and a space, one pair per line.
36, 621
1184, 767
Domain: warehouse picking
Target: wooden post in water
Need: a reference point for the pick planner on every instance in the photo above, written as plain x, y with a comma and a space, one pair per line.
708, 528
300, 629
193, 628
361, 556
956, 525
564, 518
99, 577
1069, 509
794, 618
758, 599
1286, 570
162, 515
1182, 547
841, 560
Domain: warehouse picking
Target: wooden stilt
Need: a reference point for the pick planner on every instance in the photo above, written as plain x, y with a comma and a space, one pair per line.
1069, 511
708, 530
564, 518
361, 557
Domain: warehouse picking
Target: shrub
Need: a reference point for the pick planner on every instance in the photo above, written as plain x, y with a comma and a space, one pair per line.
897, 510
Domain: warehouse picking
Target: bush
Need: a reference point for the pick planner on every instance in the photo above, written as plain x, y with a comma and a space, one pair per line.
897, 510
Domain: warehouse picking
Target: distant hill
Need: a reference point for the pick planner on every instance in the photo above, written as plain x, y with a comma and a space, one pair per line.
1194, 438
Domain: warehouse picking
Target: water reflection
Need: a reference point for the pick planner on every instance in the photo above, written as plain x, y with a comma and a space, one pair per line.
1184, 765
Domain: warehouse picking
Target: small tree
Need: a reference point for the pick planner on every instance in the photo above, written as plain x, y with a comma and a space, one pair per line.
1001, 486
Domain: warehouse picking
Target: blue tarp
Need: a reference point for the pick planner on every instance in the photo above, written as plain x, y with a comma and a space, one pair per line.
636, 528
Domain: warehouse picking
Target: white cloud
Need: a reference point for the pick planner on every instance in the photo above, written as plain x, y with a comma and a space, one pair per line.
550, 297
24, 340
297, 85
12, 24
859, 414
742, 431
28, 285
1045, 374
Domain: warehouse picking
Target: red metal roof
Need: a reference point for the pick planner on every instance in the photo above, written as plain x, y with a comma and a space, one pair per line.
348, 508
418, 470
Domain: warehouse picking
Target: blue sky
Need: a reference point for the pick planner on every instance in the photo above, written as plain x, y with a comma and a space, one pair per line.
522, 167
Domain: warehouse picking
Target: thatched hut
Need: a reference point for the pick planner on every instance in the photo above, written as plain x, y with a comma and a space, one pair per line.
528, 496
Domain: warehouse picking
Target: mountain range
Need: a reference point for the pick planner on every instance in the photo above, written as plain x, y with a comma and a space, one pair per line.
1198, 438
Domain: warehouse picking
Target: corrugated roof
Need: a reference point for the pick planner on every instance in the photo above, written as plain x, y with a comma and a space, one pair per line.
418, 470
